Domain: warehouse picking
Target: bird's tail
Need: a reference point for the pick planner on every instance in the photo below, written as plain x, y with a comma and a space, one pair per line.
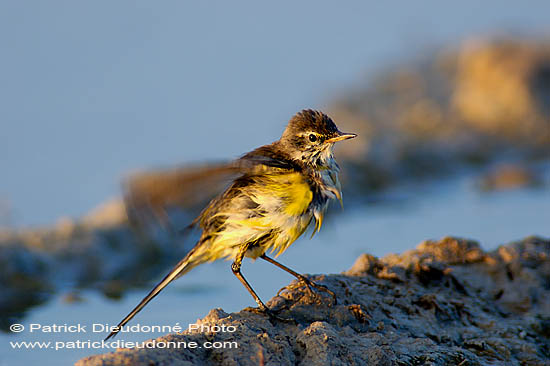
183, 266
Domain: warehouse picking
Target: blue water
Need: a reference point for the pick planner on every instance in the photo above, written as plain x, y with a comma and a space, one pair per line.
92, 90
414, 213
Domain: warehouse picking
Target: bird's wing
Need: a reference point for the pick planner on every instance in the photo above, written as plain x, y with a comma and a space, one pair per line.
268, 156
148, 195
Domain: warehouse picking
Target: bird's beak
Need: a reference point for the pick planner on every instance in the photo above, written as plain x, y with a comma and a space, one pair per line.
340, 137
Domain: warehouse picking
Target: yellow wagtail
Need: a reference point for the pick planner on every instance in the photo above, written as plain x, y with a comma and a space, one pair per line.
282, 187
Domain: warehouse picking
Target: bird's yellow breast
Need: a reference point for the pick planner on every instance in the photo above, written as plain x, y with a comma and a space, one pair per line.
297, 194
286, 192
279, 215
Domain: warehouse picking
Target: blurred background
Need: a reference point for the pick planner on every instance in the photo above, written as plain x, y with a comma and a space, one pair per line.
451, 103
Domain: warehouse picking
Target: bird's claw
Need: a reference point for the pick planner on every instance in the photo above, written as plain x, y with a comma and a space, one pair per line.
309, 284
266, 311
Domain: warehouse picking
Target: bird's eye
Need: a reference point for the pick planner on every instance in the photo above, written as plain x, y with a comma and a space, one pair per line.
312, 137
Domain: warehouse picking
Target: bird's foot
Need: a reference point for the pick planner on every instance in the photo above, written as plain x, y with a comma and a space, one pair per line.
270, 313
304, 281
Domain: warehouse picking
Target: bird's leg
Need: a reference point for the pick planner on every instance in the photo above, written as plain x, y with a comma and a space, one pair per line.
300, 277
236, 268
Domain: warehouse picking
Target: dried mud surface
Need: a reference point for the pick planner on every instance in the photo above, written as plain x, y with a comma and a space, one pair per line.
443, 303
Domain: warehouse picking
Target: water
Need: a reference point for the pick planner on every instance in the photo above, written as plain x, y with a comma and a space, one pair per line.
83, 104
414, 213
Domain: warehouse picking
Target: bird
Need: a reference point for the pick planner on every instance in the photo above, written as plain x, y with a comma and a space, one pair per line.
280, 190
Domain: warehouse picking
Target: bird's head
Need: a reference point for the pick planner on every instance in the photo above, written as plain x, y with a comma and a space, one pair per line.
310, 136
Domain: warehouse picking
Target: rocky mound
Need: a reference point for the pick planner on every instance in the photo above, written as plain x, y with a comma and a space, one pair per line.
444, 303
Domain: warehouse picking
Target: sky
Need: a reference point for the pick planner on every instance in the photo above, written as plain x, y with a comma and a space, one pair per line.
92, 91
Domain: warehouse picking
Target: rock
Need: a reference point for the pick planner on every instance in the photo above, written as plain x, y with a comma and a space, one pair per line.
502, 88
509, 176
449, 303
109, 214
483, 101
